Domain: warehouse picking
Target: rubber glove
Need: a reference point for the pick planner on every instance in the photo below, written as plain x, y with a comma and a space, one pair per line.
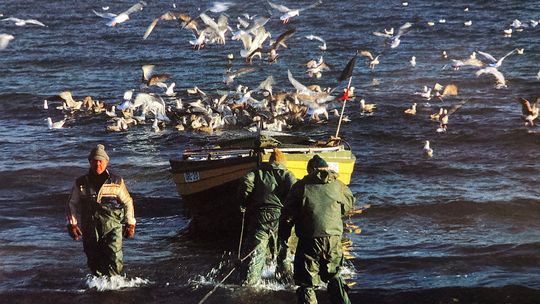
74, 231
129, 231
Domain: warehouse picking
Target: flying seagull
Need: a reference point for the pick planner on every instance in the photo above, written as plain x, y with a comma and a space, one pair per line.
288, 13
115, 19
393, 40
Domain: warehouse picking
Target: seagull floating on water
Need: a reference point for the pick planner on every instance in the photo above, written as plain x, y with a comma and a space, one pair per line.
428, 152
55, 125
411, 110
4, 40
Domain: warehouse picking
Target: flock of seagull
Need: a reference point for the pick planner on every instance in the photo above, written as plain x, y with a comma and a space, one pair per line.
244, 107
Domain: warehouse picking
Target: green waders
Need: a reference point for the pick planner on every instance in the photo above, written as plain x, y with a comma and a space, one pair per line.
318, 259
267, 222
102, 236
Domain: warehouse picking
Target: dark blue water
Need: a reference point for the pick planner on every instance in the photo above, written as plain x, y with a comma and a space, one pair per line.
462, 225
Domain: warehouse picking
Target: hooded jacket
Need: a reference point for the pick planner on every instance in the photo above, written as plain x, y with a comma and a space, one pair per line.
267, 186
316, 204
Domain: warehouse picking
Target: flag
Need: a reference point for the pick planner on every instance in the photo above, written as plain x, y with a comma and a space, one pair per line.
347, 72
345, 95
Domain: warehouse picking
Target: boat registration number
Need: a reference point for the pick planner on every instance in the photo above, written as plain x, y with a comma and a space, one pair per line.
191, 177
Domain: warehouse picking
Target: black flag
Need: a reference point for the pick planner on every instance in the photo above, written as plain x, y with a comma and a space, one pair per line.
347, 71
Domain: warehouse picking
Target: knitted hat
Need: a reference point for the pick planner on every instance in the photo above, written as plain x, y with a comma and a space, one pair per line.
278, 156
98, 153
316, 162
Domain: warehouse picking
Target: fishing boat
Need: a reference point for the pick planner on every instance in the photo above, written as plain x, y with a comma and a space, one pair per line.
207, 177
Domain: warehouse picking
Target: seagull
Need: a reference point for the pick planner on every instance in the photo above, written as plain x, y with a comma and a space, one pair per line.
315, 68
322, 47
4, 40
230, 76
413, 61
45, 104
289, 13
112, 112
529, 112
428, 152
253, 44
501, 82
538, 76
23, 22
467, 23
520, 51
411, 110
168, 16
394, 40
216, 30
69, 101
494, 62
280, 41
436, 116
149, 78
443, 121
115, 19
373, 60
367, 107
55, 125
120, 125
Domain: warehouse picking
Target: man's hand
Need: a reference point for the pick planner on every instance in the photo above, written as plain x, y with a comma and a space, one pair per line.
74, 231
129, 231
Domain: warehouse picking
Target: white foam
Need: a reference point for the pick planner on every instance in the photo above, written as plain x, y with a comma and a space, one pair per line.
104, 283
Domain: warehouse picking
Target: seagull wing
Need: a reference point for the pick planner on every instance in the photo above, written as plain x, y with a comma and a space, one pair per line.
457, 106
267, 84
450, 89
297, 85
279, 7
34, 21
526, 108
493, 71
403, 29
499, 62
366, 54
209, 21
382, 34
487, 56
150, 28
135, 8
312, 37
104, 15
310, 6
219, 7
148, 70
280, 41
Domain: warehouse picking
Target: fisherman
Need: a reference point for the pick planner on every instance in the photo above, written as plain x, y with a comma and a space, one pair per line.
102, 202
315, 206
263, 190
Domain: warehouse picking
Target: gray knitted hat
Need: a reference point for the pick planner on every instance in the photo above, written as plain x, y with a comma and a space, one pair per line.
98, 153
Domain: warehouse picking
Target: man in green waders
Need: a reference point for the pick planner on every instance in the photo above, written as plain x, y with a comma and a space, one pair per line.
315, 206
103, 203
264, 191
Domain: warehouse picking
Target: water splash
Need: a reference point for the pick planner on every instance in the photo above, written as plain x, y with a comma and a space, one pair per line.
104, 283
